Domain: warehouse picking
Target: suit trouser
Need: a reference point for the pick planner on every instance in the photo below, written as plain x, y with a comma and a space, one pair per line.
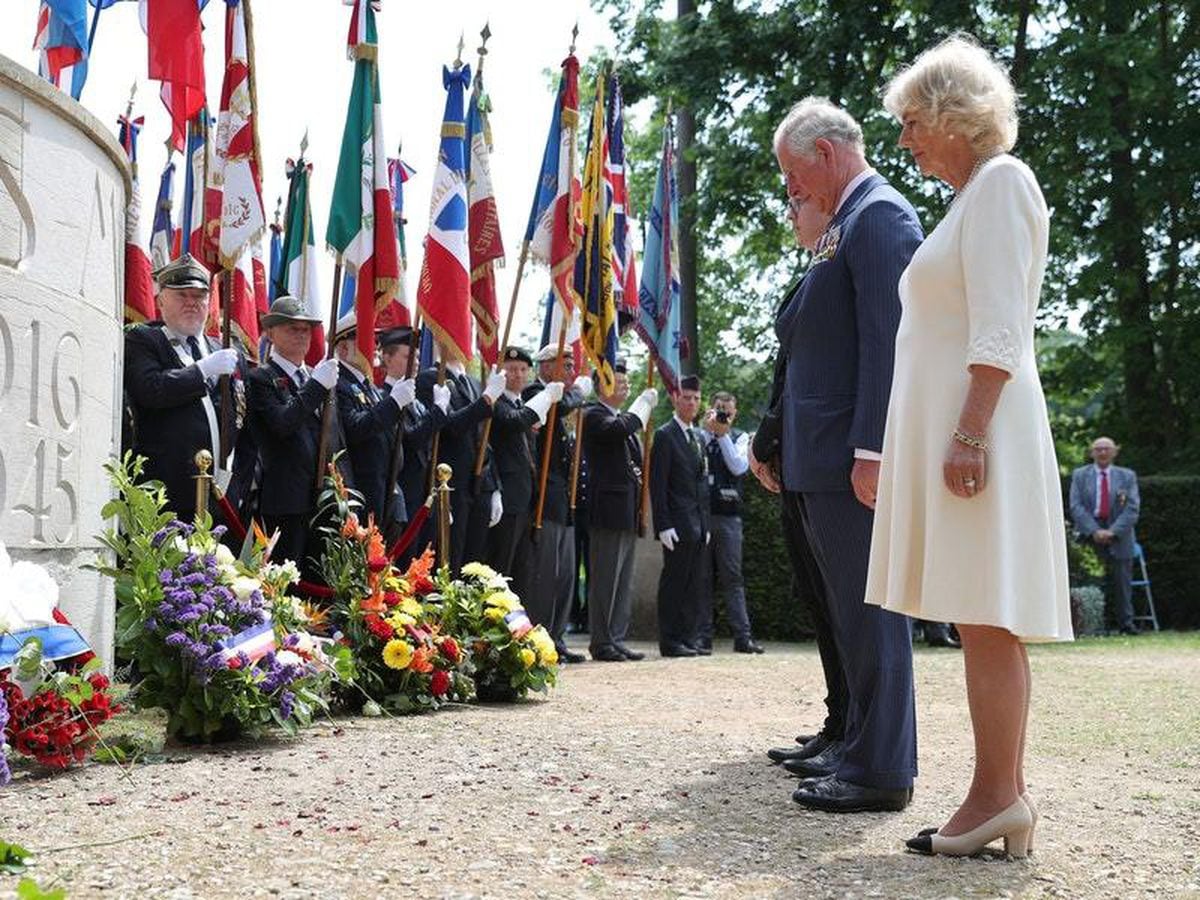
723, 564
680, 589
468, 528
806, 572
553, 578
875, 646
1118, 583
610, 586
578, 613
505, 541
295, 543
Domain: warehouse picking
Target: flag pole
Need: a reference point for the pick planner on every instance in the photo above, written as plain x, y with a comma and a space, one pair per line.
551, 421
485, 435
647, 438
327, 409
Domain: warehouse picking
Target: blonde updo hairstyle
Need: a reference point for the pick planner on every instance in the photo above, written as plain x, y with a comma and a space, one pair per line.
957, 87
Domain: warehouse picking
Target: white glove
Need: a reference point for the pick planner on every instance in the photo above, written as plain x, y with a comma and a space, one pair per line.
644, 405
497, 509
669, 537
584, 385
441, 397
555, 390
495, 386
326, 373
540, 402
404, 392
222, 362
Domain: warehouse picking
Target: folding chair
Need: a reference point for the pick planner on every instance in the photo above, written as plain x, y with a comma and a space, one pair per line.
1144, 583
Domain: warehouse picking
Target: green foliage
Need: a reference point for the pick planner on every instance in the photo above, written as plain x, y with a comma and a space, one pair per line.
28, 889
13, 858
1109, 124
1166, 531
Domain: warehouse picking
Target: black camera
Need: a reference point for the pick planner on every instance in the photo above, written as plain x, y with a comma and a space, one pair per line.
722, 417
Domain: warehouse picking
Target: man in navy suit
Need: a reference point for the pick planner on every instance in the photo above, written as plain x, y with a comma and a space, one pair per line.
369, 416
171, 374
285, 399
837, 331
679, 501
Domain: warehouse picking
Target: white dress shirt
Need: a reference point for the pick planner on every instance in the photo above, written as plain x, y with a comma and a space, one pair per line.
735, 453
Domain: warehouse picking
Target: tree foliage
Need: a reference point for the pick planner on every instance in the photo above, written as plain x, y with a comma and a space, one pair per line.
1110, 124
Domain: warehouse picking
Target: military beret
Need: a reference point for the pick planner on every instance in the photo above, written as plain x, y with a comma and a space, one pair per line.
516, 354
184, 272
689, 383
393, 337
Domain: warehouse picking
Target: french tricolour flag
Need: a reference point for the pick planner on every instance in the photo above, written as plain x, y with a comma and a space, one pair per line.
256, 642
444, 292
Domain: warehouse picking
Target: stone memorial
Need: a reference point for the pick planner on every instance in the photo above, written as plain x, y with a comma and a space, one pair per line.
64, 184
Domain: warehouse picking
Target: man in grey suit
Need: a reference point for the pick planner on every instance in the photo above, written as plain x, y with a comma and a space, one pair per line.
837, 331
1104, 507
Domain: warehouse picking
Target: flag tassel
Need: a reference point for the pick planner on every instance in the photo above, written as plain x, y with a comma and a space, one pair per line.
508, 322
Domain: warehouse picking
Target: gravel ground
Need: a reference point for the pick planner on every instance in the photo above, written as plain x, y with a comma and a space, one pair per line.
642, 780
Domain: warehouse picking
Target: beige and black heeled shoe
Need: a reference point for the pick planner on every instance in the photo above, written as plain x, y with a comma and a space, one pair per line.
1014, 824
1033, 811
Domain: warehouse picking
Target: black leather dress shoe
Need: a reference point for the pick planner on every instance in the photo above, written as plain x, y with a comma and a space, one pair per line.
835, 795
804, 738
608, 654
570, 656
702, 649
823, 763
747, 645
675, 650
801, 751
937, 634
634, 655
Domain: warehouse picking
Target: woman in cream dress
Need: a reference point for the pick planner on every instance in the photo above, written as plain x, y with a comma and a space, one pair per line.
968, 518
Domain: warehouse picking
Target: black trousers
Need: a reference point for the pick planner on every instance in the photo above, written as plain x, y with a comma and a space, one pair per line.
812, 590
874, 646
297, 542
680, 592
505, 541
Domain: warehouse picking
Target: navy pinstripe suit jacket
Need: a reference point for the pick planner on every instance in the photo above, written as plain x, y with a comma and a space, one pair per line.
838, 332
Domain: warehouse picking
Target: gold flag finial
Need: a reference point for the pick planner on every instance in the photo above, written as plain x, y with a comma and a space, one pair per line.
574, 37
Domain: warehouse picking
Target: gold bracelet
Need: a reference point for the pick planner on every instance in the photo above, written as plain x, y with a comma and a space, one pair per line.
978, 442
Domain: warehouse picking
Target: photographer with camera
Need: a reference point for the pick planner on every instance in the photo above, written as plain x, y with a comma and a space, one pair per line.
727, 449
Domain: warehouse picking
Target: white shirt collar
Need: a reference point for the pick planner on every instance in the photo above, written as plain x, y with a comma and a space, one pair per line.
850, 188
180, 337
682, 424
512, 395
289, 367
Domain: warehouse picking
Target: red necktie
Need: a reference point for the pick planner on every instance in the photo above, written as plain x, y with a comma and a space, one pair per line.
1105, 502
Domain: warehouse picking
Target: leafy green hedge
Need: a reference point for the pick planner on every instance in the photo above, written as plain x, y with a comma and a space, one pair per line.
1166, 531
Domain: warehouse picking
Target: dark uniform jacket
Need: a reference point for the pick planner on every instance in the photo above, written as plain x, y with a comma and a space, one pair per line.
678, 483
558, 479
459, 441
614, 459
420, 423
369, 417
512, 453
286, 421
165, 398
